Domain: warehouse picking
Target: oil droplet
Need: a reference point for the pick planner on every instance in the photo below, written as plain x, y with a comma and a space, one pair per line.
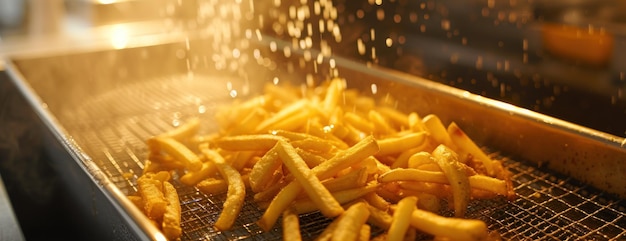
374, 88
388, 42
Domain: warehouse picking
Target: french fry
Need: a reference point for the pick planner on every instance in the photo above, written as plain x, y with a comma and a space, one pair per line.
364, 233
398, 144
308, 180
400, 223
418, 159
343, 159
376, 201
263, 170
236, 189
416, 175
311, 159
291, 226
192, 178
212, 186
171, 217
152, 195
457, 177
379, 218
358, 122
259, 142
462, 141
306, 205
178, 150
287, 112
399, 119
381, 125
350, 222
437, 130
452, 228
353, 179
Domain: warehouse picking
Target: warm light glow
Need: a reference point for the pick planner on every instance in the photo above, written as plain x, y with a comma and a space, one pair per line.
106, 1
119, 36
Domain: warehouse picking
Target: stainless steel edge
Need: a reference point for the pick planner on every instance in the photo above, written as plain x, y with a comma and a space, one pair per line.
130, 214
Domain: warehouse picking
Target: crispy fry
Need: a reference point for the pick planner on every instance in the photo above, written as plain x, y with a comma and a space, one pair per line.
364, 233
236, 189
260, 142
263, 170
152, 196
344, 159
343, 197
381, 125
295, 109
353, 179
179, 151
379, 218
308, 180
349, 224
212, 186
280, 202
452, 228
401, 216
193, 178
171, 217
457, 178
376, 201
437, 130
476, 181
466, 144
399, 144
291, 226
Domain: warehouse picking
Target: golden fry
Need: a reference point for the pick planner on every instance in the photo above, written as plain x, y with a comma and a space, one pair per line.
295, 109
379, 218
152, 196
260, 142
463, 142
280, 203
437, 130
454, 171
350, 222
171, 217
291, 226
309, 182
179, 151
193, 178
236, 190
263, 170
306, 205
212, 186
353, 179
453, 228
343, 159
398, 144
364, 233
401, 216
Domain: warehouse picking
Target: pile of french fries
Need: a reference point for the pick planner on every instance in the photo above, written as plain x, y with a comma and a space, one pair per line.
356, 160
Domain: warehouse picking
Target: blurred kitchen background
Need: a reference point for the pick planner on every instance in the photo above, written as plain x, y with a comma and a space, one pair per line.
564, 58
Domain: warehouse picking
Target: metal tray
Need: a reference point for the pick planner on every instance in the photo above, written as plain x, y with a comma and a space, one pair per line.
99, 106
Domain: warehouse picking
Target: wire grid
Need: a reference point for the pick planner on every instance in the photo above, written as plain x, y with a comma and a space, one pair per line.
549, 206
